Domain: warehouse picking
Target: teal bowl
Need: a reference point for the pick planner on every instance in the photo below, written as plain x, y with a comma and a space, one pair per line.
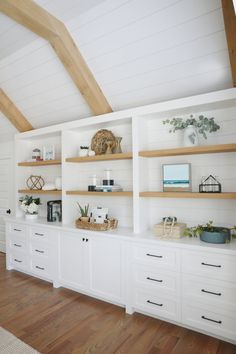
221, 236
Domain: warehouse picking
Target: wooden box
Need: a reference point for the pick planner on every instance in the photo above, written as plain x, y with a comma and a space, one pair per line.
168, 231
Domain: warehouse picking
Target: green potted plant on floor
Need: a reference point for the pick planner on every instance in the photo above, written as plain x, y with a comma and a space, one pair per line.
209, 233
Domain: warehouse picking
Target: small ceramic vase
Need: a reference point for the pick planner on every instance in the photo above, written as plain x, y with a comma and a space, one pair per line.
118, 149
109, 147
31, 216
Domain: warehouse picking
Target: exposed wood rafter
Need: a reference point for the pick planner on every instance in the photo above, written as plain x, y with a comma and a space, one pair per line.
9, 109
41, 22
230, 30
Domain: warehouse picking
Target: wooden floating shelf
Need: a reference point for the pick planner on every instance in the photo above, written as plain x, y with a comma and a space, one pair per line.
109, 157
40, 191
229, 195
104, 194
39, 163
196, 150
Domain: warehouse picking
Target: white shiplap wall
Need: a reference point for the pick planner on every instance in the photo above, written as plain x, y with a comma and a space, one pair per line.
139, 51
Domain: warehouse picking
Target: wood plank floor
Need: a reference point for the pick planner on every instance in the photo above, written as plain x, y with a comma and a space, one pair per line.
60, 321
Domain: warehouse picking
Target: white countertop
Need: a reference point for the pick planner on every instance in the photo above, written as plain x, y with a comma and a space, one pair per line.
127, 234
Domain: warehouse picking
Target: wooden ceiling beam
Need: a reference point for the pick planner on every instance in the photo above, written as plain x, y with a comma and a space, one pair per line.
230, 30
41, 22
9, 109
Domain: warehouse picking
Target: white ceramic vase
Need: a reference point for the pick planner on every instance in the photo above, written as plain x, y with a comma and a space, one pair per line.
190, 136
83, 152
31, 216
58, 183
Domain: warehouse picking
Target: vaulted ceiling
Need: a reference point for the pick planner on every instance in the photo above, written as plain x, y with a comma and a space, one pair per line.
139, 52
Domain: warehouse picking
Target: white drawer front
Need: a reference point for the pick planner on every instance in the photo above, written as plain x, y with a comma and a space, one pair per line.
18, 244
40, 267
157, 280
157, 256
40, 249
156, 304
38, 233
214, 266
19, 260
17, 229
210, 292
209, 321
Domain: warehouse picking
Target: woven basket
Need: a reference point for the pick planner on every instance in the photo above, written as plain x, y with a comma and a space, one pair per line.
109, 225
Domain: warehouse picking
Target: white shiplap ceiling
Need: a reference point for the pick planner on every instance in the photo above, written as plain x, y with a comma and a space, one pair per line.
139, 51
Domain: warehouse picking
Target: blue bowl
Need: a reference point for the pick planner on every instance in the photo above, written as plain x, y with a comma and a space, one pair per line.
220, 236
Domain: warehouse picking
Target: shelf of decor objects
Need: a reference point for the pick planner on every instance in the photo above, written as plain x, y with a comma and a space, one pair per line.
39, 191
195, 150
39, 163
226, 195
105, 194
108, 157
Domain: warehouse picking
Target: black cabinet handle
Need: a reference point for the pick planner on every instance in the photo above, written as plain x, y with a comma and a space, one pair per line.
210, 292
17, 260
86, 239
154, 303
41, 268
83, 239
209, 319
18, 230
153, 255
211, 265
39, 251
16, 245
37, 234
159, 281
8, 211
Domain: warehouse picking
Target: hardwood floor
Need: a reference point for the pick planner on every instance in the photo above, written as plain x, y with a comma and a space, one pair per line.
60, 321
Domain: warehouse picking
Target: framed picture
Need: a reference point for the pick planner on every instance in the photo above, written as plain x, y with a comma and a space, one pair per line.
49, 152
177, 177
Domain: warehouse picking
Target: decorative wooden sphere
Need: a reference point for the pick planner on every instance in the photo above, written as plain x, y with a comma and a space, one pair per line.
35, 182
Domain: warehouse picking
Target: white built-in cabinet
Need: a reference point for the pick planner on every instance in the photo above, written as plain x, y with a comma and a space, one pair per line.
185, 282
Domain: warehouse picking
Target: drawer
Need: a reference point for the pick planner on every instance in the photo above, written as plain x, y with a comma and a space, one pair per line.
156, 304
214, 266
165, 281
157, 256
41, 249
19, 260
212, 322
17, 229
212, 293
38, 233
40, 266
17, 243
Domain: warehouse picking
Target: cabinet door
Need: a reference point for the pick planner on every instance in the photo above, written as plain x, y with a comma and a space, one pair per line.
73, 261
106, 268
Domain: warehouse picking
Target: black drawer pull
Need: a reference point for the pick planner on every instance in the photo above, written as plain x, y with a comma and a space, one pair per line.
16, 245
39, 251
209, 319
159, 281
210, 292
154, 303
153, 255
18, 230
37, 234
211, 265
83, 239
17, 260
41, 268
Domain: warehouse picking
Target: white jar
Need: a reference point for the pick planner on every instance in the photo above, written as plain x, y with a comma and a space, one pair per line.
58, 183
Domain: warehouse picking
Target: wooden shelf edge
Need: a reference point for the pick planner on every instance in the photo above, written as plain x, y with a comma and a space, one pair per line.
40, 191
226, 195
39, 163
105, 194
122, 156
196, 150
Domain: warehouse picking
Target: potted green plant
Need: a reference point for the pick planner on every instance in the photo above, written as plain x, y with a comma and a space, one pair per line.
30, 207
83, 151
209, 233
192, 127
84, 212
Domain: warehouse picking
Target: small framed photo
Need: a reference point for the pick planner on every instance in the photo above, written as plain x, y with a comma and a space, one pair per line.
49, 152
177, 177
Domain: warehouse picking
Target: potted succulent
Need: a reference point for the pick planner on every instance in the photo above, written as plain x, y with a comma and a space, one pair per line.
30, 207
192, 127
209, 233
84, 212
83, 151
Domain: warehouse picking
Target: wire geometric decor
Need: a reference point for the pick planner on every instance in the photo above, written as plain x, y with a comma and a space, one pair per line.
35, 182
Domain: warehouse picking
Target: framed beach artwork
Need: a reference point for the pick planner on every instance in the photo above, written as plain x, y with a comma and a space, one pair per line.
177, 177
